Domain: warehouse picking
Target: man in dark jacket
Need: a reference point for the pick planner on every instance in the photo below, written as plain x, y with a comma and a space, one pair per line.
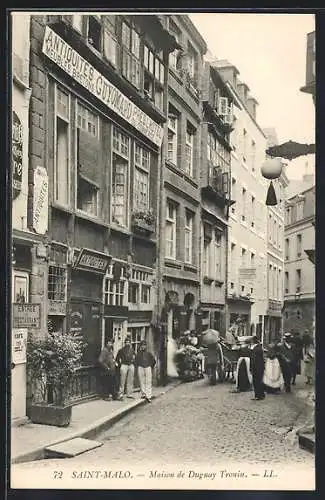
108, 372
286, 360
257, 368
298, 354
145, 362
125, 360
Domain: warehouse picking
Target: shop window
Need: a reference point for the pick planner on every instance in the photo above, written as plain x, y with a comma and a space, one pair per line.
62, 150
94, 33
171, 230
114, 292
137, 334
133, 293
141, 179
131, 54
119, 177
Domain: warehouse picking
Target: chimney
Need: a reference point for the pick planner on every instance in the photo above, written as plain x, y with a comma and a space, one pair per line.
243, 90
251, 106
226, 70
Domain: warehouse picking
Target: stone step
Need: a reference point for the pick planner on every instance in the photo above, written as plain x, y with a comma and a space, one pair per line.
307, 442
71, 448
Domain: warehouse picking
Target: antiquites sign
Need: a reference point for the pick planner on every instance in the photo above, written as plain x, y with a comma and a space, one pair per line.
17, 155
89, 260
56, 49
40, 208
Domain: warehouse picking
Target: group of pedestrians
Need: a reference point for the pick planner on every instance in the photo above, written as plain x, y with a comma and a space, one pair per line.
277, 369
118, 373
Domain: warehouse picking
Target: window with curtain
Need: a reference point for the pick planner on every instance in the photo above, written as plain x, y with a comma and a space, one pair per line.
189, 218
121, 156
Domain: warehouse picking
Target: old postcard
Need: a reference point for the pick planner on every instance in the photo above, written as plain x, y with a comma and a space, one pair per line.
163, 250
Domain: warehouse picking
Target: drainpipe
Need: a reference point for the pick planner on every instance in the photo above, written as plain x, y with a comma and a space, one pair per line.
161, 233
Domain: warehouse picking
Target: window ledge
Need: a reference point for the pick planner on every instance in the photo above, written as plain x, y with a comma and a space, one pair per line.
190, 267
172, 166
120, 229
91, 218
173, 263
63, 208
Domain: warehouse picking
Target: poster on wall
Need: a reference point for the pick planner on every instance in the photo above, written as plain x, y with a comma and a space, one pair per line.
19, 345
17, 155
40, 206
20, 289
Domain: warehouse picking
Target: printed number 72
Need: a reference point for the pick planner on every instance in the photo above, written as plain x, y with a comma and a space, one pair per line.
58, 474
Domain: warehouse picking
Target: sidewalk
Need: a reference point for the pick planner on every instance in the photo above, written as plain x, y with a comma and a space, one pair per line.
29, 441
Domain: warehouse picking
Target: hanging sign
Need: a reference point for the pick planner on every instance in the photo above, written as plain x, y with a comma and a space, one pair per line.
40, 207
18, 346
17, 155
90, 260
68, 59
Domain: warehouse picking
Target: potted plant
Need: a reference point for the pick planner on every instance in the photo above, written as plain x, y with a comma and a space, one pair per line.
143, 220
51, 364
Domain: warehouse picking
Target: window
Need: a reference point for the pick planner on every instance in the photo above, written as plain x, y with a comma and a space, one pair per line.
191, 62
244, 193
77, 22
110, 46
218, 253
87, 120
269, 227
189, 151
300, 210
145, 294
133, 295
253, 212
189, 217
274, 232
288, 215
287, 249
113, 292
172, 138
233, 195
119, 177
280, 236
57, 274
137, 334
154, 77
171, 230
244, 145
206, 257
253, 156
62, 149
131, 54
174, 57
286, 282
299, 245
252, 259
280, 285
94, 33
243, 257
141, 178
87, 197
298, 280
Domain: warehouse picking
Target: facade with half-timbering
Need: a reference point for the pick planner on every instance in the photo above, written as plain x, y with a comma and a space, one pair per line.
97, 128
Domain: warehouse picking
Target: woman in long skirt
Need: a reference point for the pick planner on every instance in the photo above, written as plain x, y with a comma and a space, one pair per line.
243, 374
273, 378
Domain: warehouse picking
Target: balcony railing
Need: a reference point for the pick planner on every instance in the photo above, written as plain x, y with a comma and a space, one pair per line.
218, 183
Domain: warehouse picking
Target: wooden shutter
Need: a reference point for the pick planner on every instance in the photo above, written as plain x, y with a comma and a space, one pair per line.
89, 159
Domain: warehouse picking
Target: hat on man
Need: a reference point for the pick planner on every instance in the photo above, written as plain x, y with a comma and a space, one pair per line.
287, 335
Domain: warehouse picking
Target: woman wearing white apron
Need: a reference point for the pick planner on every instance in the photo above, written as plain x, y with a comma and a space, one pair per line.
272, 379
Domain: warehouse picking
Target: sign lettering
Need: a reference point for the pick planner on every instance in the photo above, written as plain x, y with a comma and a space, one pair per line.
56, 49
17, 155
40, 208
26, 315
18, 346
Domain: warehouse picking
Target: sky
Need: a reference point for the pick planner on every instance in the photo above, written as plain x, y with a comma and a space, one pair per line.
269, 50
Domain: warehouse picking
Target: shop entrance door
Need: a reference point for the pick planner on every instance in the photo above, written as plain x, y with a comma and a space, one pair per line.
20, 293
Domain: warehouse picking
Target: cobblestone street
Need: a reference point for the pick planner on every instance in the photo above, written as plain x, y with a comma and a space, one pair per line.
199, 423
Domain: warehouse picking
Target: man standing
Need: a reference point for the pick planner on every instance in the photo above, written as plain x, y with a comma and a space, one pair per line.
286, 359
145, 362
257, 368
108, 375
298, 354
125, 360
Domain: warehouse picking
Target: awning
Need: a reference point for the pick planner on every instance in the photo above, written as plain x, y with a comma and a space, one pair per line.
311, 255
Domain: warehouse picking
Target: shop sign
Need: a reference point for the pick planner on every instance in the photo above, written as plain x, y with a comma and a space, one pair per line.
68, 59
19, 346
57, 308
40, 205
89, 260
26, 315
17, 155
